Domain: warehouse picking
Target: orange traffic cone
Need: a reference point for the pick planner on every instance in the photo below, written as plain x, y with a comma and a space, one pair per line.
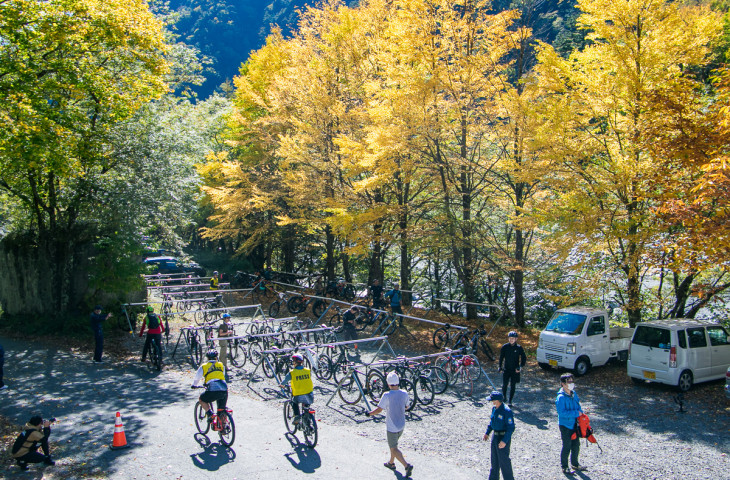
119, 440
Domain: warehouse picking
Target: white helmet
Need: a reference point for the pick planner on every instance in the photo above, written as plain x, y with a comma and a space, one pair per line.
393, 379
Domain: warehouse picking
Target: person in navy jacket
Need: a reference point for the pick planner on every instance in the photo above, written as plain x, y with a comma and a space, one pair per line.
569, 409
502, 423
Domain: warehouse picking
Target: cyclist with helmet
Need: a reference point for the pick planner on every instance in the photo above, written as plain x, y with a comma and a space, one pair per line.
213, 374
224, 330
155, 329
302, 387
214, 281
511, 360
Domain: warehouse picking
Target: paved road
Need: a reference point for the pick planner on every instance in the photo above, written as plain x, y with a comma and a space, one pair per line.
158, 420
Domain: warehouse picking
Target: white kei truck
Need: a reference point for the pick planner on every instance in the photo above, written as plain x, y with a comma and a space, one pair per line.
578, 338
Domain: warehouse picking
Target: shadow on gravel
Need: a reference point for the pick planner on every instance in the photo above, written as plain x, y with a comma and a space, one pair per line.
531, 419
84, 397
307, 460
213, 456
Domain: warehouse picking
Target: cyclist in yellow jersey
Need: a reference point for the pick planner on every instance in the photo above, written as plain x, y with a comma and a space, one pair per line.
213, 374
301, 385
214, 281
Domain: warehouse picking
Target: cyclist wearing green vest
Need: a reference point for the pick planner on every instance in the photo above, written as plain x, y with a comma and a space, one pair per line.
214, 281
213, 374
301, 385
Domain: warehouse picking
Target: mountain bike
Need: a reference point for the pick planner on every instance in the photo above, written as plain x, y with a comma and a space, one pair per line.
154, 359
276, 305
221, 421
444, 338
299, 303
307, 421
460, 369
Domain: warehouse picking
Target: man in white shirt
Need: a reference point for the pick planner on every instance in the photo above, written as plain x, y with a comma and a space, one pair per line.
394, 402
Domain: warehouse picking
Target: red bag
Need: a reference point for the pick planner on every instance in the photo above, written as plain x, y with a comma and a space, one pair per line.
583, 430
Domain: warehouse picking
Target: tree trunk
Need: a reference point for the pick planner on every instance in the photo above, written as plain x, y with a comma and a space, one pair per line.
330, 260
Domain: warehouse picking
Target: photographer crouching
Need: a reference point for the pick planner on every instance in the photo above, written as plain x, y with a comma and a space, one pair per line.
25, 448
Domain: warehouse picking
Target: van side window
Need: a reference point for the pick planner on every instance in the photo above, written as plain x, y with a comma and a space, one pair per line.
650, 336
718, 336
682, 339
597, 326
697, 337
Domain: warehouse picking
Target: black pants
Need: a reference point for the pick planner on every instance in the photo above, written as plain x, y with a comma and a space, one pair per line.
33, 456
509, 376
157, 339
500, 460
349, 332
570, 447
99, 341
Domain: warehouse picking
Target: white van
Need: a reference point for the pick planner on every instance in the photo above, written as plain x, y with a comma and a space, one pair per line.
579, 338
678, 352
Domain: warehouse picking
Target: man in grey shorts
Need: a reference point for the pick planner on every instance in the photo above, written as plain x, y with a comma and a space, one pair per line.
394, 403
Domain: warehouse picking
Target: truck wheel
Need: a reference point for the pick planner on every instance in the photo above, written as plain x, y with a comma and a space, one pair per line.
685, 381
581, 366
544, 366
638, 381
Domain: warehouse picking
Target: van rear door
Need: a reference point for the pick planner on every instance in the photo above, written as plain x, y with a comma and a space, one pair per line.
650, 349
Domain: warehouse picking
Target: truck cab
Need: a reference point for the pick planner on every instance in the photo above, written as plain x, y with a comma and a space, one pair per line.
579, 338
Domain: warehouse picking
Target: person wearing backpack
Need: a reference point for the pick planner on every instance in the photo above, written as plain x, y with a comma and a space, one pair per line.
155, 329
25, 448
395, 297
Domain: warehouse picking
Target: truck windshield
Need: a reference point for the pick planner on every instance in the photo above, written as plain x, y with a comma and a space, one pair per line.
571, 323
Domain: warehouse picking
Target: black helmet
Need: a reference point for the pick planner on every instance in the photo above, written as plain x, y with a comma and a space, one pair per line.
512, 334
212, 354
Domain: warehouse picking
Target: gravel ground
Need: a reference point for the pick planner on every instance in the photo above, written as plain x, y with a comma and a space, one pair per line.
637, 426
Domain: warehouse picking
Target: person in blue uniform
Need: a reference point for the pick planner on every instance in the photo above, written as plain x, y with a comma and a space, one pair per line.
511, 360
502, 424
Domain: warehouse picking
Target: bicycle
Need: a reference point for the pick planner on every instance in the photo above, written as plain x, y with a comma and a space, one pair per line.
154, 360
276, 305
464, 338
299, 303
221, 421
460, 369
307, 421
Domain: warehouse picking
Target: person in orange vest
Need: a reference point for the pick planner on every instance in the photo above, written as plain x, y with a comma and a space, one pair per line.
302, 388
213, 374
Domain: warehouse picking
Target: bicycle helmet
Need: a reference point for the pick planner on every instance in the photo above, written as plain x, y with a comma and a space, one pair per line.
512, 334
212, 354
215, 273
393, 379
297, 357
226, 315
150, 308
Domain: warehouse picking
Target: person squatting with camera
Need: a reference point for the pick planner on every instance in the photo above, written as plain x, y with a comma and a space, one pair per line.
35, 435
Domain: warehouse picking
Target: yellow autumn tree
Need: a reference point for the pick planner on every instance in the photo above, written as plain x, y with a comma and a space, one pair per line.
601, 117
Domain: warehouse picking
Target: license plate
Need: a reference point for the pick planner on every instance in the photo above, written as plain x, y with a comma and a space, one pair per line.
553, 363
650, 375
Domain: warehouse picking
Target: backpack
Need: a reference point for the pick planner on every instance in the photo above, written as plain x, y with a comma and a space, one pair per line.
153, 321
18, 444
583, 430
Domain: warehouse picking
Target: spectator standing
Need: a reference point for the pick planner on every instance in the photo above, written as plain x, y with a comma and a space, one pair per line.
348, 324
214, 281
224, 331
376, 293
2, 364
569, 409
97, 326
395, 296
511, 360
502, 423
394, 402
25, 448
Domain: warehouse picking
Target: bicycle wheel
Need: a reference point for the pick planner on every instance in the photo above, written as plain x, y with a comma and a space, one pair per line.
441, 338
407, 385
228, 428
255, 352
198, 317
361, 322
289, 417
439, 378
318, 308
424, 390
487, 350
464, 377
157, 360
349, 391
375, 385
339, 370
296, 305
201, 420
475, 370
349, 293
335, 321
324, 368
309, 428
269, 367
274, 309
196, 353
390, 328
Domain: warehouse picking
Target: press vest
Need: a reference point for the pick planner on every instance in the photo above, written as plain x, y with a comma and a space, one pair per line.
213, 371
301, 382
214, 283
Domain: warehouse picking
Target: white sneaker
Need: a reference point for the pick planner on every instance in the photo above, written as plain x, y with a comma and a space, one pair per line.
4, 387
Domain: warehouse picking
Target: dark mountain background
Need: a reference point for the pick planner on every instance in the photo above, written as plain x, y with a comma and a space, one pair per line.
226, 31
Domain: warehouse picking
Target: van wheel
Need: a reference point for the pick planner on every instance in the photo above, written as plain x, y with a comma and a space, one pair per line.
685, 381
544, 366
638, 381
581, 366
